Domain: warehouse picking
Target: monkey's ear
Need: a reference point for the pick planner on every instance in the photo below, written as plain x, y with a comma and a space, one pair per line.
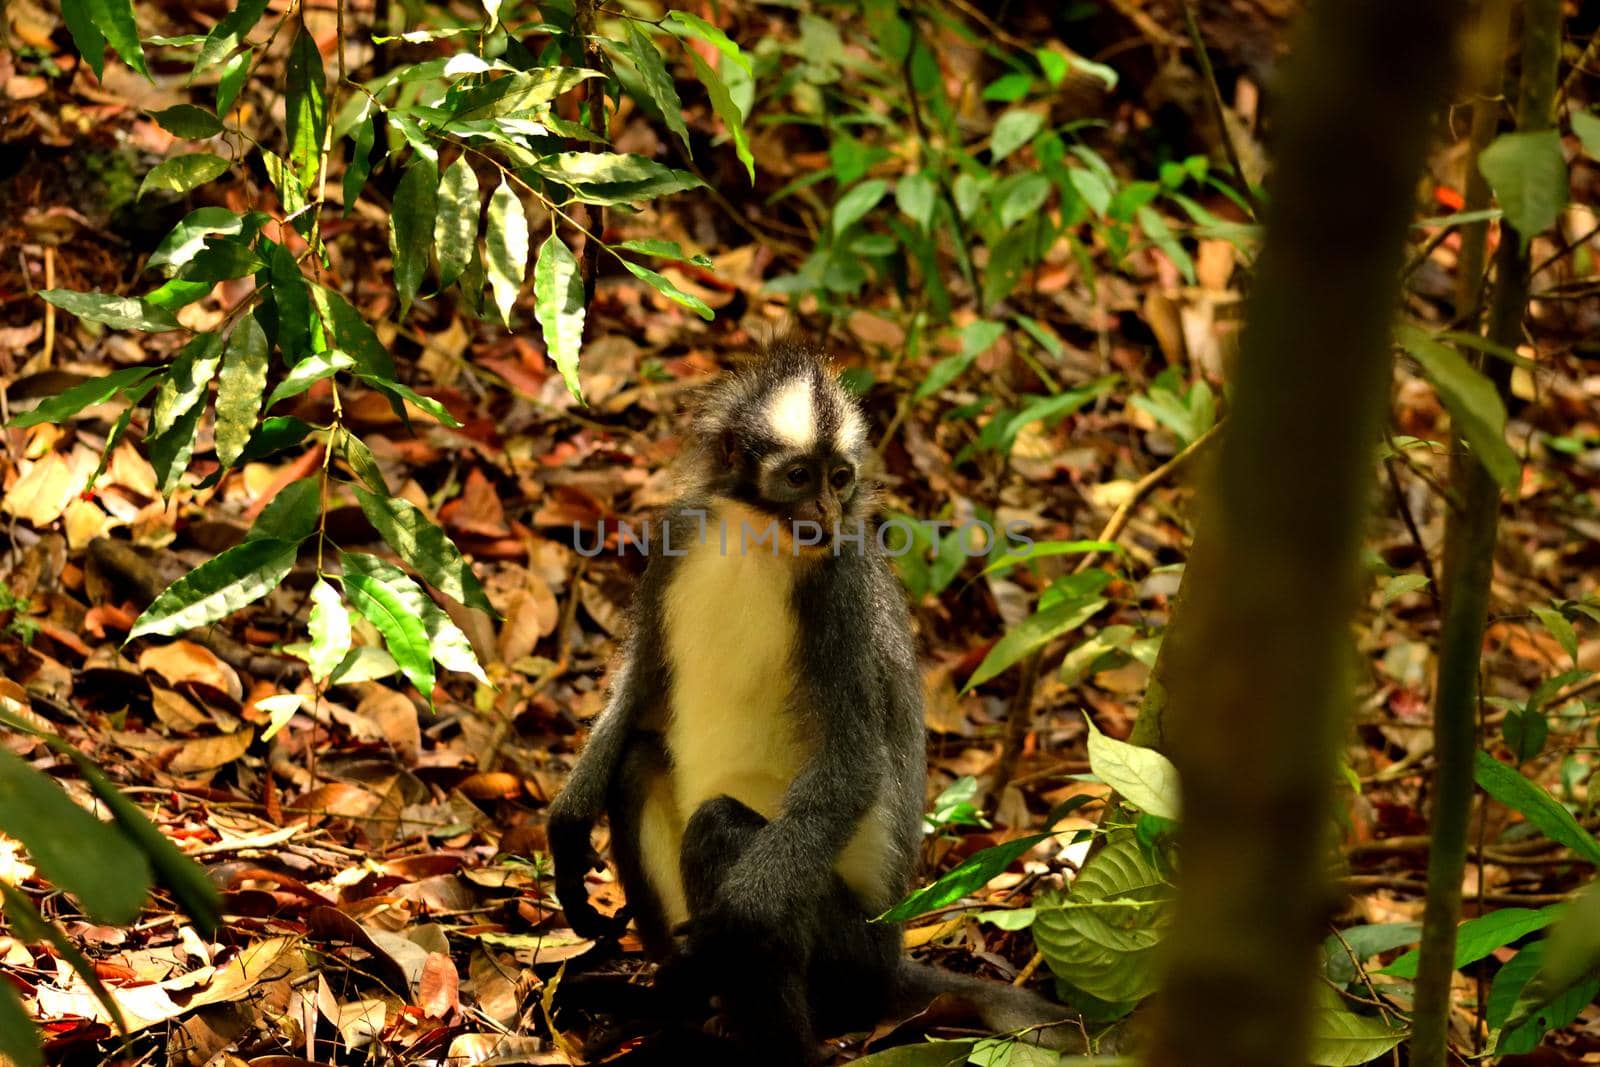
730, 447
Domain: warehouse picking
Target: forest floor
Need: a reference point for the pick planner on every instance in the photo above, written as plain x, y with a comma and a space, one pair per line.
401, 844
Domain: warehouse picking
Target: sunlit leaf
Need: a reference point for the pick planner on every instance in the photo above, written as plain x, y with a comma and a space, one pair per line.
241, 383
1476, 938
1145, 777
329, 626
446, 642
217, 588
507, 242
291, 515
314, 368
114, 19
424, 546
403, 633
1011, 131
91, 45
657, 81
186, 384
69, 402
188, 121
518, 94
1033, 632
684, 23
969, 876
228, 32
117, 312
455, 229
663, 285
411, 223
1509, 787
725, 107
1474, 404
232, 80
352, 333
305, 106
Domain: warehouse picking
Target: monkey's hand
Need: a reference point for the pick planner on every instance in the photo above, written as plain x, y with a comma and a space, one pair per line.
574, 857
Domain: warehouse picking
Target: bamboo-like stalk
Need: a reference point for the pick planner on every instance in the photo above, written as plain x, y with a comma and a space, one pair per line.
1468, 567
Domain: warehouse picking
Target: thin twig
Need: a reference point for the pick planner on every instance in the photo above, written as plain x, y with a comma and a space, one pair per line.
1219, 112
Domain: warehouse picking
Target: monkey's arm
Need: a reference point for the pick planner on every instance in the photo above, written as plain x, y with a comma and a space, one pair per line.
583, 798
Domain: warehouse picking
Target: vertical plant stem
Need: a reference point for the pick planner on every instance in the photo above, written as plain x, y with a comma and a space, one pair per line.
1468, 567
595, 97
1259, 689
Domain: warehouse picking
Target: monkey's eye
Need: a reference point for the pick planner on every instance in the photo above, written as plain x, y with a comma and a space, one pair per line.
798, 476
842, 478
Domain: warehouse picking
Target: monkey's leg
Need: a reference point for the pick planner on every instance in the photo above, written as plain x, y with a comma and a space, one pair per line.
645, 838
759, 974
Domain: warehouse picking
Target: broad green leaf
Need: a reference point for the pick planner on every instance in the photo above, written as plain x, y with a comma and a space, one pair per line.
1528, 174
856, 203
507, 242
1011, 131
291, 515
447, 644
117, 312
1560, 628
169, 452
291, 190
182, 173
1020, 197
186, 383
217, 588
1364, 942
663, 285
114, 19
1509, 787
183, 877
424, 546
558, 305
19, 1040
1587, 126
363, 462
1472, 401
728, 111
657, 81
185, 240
402, 630
917, 195
1083, 658
176, 293
360, 165
365, 663
220, 259
241, 383
1341, 1038
309, 371
625, 175
411, 222
683, 23
518, 94
91, 45
329, 626
1102, 939
276, 433
305, 107
651, 246
1401, 584
188, 121
1145, 777
225, 36
352, 333
1510, 980
293, 300
970, 875
396, 392
1033, 632
232, 79
455, 228
1008, 918
86, 394
1478, 937
72, 848
1574, 943
1525, 732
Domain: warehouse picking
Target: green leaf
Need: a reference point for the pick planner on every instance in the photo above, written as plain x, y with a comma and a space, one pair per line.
352, 333
411, 222
359, 168
1472, 401
114, 19
293, 300
1528, 174
228, 32
1102, 939
1020, 197
856, 203
1478, 937
72, 848
383, 606
276, 433
362, 462
169, 452
1401, 584
518, 94
1048, 549
1365, 942
365, 663
1145, 777
219, 259
970, 875
241, 383
232, 80
1587, 126
291, 515
558, 305
1011, 131
217, 588
185, 240
19, 1040
507, 242
424, 546
188, 121
58, 408
1033, 632
683, 23
117, 312
1341, 1038
1155, 227
186, 383
455, 228
723, 104
1509, 982
183, 877
182, 173
176, 293
657, 81
329, 626
1560, 628
1509, 787
446, 643
917, 196
305, 107
652, 246
309, 371
1525, 732
397, 392
663, 285
920, 1054
90, 43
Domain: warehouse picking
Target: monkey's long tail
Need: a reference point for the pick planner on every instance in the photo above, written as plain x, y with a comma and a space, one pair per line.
1002, 1008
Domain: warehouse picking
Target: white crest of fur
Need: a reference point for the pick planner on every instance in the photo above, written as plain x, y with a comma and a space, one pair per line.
851, 436
791, 415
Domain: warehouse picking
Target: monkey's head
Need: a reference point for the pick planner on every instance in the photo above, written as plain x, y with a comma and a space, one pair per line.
784, 438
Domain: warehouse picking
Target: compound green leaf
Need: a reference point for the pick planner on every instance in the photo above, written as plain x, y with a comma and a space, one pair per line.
663, 285
446, 643
352, 333
306, 107
424, 546
657, 81
186, 383
217, 588
725, 107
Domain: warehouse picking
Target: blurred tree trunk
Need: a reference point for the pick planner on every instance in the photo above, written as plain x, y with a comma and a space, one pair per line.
1258, 684
1469, 549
